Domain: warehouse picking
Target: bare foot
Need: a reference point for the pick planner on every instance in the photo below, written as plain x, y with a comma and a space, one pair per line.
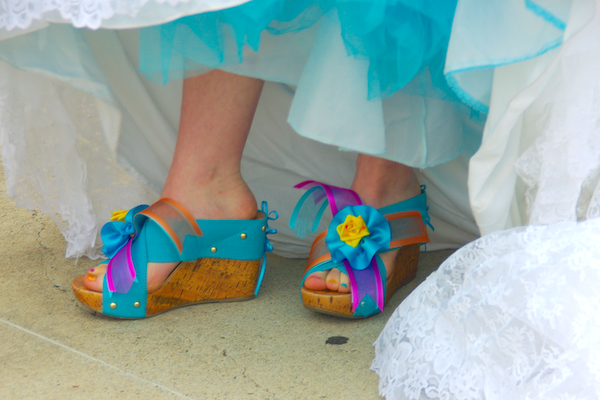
230, 199
379, 183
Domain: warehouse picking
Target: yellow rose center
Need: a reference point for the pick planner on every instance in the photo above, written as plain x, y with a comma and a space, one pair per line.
119, 215
352, 230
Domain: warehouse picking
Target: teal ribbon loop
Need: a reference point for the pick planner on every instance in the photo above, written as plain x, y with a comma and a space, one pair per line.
378, 239
424, 213
115, 234
269, 231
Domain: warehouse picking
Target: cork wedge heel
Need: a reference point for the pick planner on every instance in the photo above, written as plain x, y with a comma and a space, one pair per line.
208, 280
219, 261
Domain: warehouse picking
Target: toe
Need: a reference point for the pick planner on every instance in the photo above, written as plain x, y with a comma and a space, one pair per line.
157, 273
316, 281
344, 283
94, 278
333, 279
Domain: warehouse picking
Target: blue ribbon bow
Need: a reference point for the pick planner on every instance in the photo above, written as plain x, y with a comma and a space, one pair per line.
115, 234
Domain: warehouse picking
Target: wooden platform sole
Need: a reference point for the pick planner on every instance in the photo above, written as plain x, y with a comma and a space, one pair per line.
340, 304
207, 280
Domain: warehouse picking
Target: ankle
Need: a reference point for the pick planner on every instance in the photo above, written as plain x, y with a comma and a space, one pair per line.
228, 198
383, 183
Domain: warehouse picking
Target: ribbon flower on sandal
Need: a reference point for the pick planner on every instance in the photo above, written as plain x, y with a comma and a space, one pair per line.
356, 234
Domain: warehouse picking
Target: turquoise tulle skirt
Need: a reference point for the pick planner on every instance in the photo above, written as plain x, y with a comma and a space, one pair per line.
368, 75
399, 38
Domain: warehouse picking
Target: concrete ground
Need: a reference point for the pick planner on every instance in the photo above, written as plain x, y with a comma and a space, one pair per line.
52, 347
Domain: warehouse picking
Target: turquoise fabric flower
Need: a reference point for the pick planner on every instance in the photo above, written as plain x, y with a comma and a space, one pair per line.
115, 234
356, 233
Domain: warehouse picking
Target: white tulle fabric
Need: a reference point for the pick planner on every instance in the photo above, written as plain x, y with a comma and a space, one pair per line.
56, 158
514, 315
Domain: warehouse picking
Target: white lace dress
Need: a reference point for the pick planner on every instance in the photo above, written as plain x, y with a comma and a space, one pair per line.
515, 314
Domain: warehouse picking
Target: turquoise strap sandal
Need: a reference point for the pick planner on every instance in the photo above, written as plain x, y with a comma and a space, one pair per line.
219, 260
357, 236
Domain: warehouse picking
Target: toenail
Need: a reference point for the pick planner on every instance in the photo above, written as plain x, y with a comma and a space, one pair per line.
344, 285
92, 270
91, 277
332, 281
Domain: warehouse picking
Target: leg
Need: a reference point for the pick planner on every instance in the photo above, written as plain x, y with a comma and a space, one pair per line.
216, 114
379, 183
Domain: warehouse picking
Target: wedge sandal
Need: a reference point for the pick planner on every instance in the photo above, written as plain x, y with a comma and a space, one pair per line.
356, 237
219, 260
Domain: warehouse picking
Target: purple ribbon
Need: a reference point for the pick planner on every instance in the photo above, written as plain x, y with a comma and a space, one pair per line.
338, 197
370, 283
120, 273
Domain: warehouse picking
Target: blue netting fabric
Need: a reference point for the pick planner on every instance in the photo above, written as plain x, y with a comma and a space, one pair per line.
398, 37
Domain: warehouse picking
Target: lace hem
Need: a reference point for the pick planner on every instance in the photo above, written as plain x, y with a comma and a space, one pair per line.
91, 14
512, 315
